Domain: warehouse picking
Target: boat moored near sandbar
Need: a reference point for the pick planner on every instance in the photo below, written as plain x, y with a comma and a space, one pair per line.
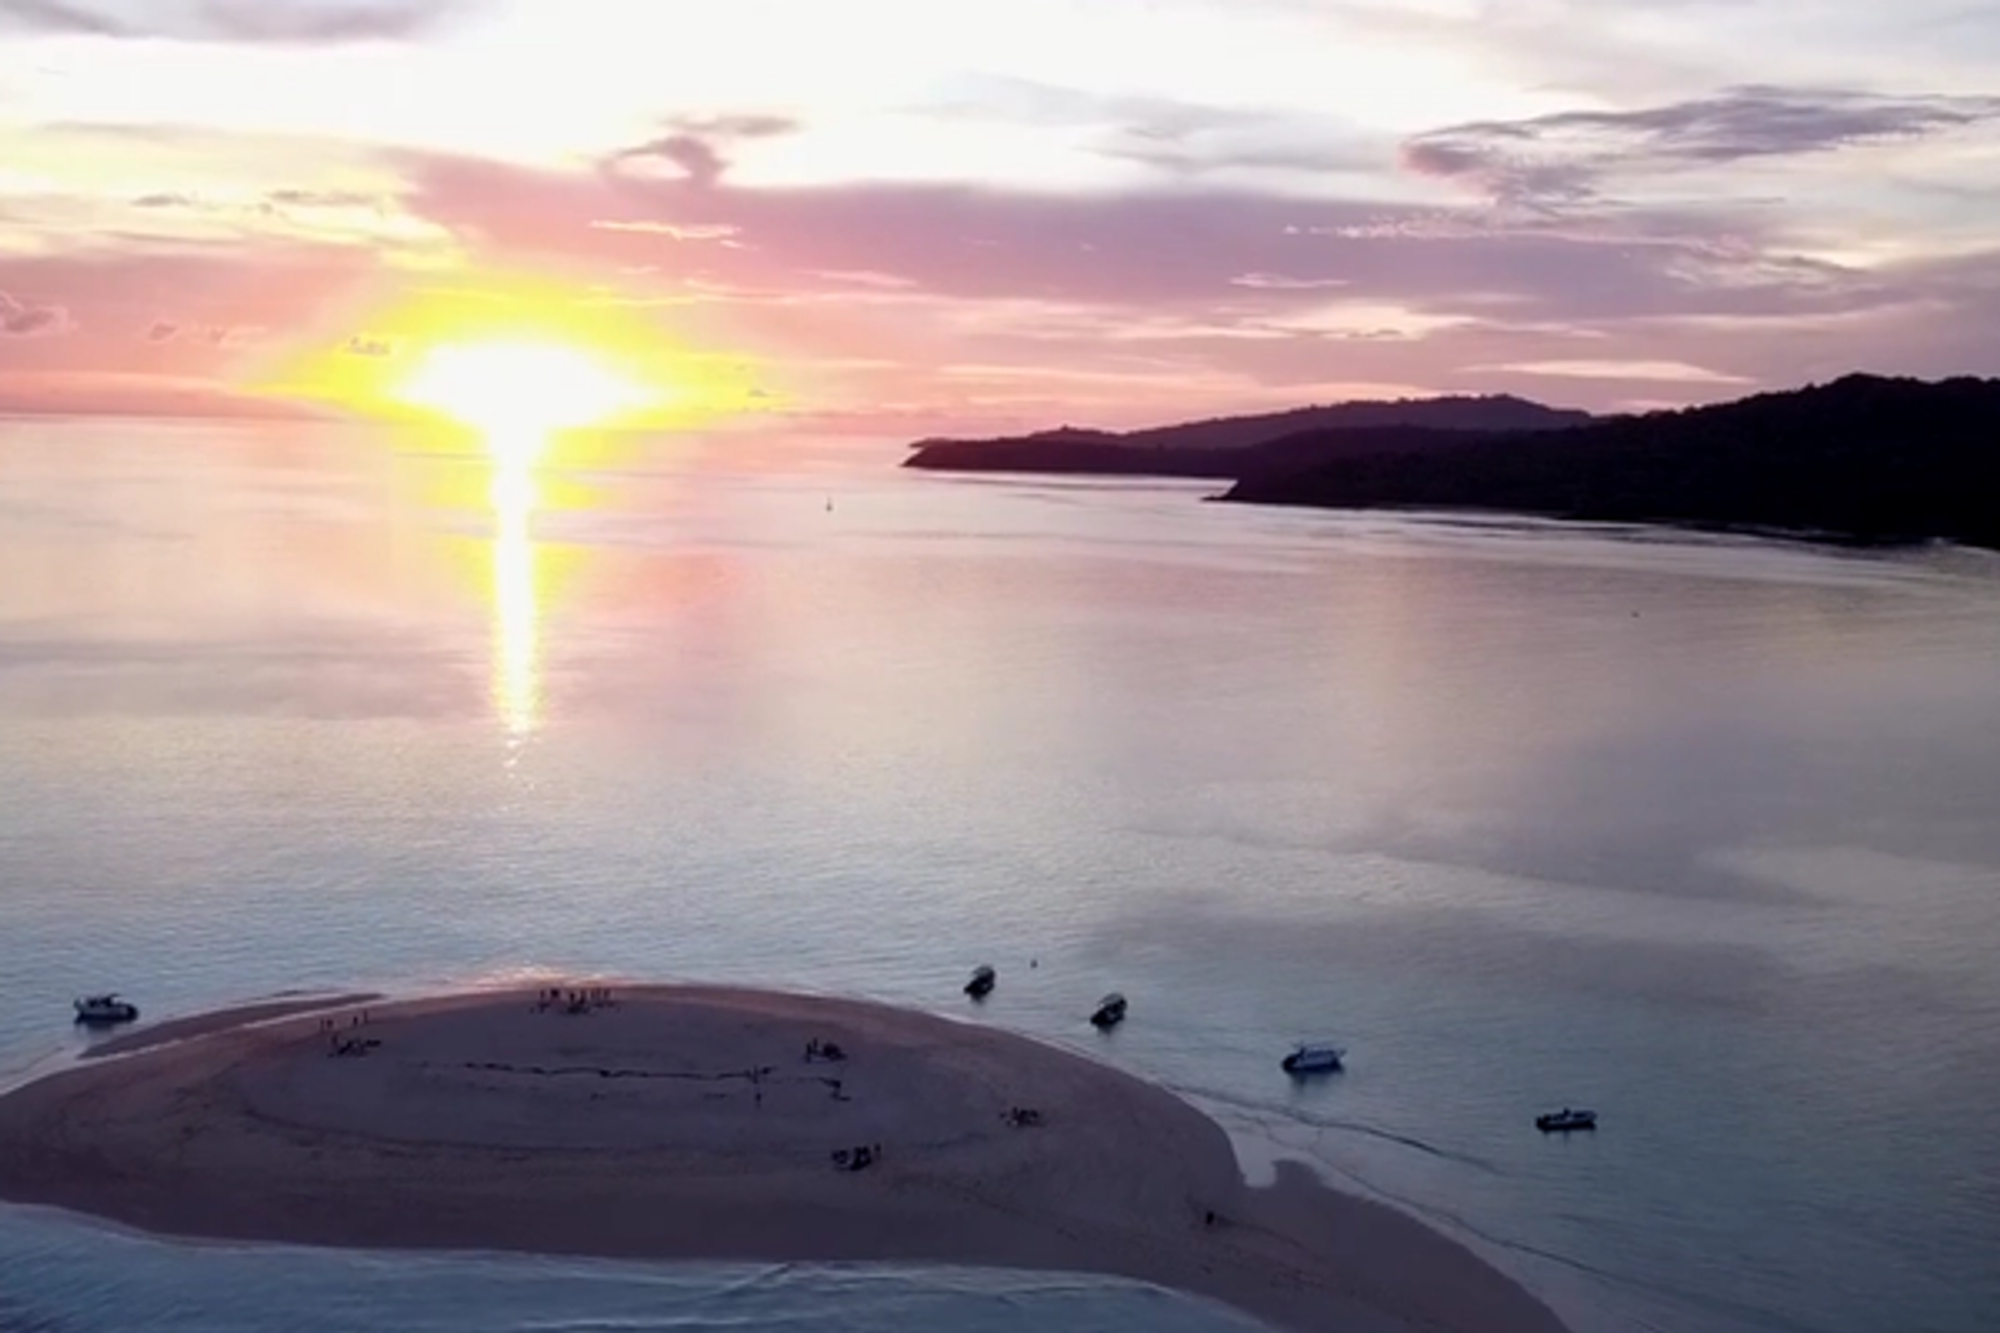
1313, 1058
1555, 1122
681, 1124
104, 1010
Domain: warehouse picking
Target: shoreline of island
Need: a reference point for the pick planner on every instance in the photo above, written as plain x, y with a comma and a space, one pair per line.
706, 1123
1860, 462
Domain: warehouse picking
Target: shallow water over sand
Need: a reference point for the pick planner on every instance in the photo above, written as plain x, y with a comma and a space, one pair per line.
1697, 832
76, 1282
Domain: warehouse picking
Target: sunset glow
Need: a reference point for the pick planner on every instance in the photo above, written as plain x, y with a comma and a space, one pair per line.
518, 392
918, 219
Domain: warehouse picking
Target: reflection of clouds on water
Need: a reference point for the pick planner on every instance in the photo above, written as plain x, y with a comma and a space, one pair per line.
1855, 875
238, 621
1637, 812
1482, 948
1655, 807
311, 669
19, 516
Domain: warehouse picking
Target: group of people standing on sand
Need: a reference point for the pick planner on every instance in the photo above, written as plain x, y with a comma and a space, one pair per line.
573, 1000
336, 1044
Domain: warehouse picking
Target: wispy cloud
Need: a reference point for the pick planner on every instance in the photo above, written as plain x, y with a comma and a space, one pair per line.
675, 231
367, 345
275, 22
22, 320
215, 335
1675, 372
322, 199
696, 148
1280, 282
1564, 157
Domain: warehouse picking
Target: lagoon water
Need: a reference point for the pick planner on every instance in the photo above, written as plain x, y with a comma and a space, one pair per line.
1698, 831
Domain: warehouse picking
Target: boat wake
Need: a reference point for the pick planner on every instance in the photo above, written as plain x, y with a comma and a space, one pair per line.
1278, 1132
1263, 1117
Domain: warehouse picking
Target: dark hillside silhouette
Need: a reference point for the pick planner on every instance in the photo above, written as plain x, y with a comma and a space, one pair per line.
1863, 459
1218, 447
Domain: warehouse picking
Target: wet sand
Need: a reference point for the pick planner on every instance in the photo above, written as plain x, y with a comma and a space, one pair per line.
181, 1029
688, 1123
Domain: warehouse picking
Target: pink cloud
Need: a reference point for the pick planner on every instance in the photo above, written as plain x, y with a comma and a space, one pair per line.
1239, 295
877, 302
167, 332
21, 319
1216, 251
99, 393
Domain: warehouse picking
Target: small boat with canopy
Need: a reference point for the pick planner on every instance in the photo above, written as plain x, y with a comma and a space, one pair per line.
1313, 1058
1558, 1122
104, 1010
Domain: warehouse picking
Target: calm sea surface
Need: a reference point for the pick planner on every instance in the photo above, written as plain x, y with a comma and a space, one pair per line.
1699, 832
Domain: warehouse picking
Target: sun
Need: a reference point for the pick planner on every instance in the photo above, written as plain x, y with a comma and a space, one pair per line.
520, 390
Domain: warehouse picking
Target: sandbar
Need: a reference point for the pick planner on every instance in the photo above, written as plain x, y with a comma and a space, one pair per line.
690, 1123
197, 1025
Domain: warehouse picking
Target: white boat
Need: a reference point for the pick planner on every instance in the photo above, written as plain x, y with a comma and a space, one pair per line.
1307, 1058
1110, 1011
103, 1009
982, 982
1566, 1119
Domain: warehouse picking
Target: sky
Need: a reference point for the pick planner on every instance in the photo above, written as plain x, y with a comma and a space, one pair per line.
910, 217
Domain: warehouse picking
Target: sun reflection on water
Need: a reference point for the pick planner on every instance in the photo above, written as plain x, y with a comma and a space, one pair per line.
517, 669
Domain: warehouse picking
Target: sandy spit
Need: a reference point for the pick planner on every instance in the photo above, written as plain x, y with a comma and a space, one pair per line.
197, 1025
689, 1123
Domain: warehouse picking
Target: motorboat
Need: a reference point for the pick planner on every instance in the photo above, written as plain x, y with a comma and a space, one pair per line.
1555, 1122
982, 982
102, 1010
1308, 1058
1110, 1011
